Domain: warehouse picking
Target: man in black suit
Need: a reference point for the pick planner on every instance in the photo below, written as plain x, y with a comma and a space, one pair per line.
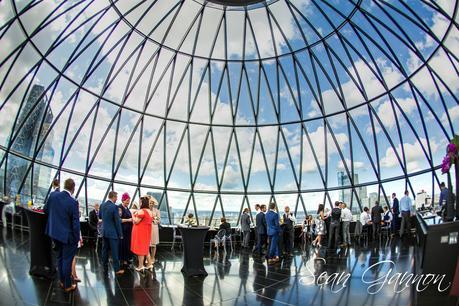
94, 220
376, 218
261, 229
333, 237
395, 213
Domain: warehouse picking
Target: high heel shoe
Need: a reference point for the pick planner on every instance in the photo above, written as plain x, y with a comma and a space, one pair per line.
140, 269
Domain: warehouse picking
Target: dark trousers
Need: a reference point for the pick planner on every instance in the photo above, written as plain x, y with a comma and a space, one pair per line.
376, 229
333, 236
289, 235
125, 247
273, 246
65, 254
113, 246
261, 239
394, 224
245, 238
406, 222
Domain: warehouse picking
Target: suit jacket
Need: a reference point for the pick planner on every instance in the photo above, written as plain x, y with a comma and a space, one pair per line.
376, 212
63, 217
272, 222
396, 207
111, 220
93, 220
261, 224
245, 223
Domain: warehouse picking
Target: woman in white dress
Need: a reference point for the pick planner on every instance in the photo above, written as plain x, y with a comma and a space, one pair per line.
154, 227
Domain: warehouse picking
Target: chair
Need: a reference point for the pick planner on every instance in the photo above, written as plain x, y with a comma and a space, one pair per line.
176, 235
218, 239
221, 238
385, 230
360, 231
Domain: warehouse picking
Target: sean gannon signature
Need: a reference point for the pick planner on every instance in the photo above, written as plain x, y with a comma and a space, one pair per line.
399, 281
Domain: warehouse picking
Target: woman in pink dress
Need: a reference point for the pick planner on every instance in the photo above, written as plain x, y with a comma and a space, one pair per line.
154, 228
141, 234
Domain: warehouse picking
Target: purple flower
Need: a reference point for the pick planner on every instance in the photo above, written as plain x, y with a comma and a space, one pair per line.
446, 164
451, 148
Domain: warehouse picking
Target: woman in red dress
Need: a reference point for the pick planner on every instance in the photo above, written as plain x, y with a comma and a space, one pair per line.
141, 234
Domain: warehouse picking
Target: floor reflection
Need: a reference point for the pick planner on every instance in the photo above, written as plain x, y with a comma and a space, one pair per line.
310, 277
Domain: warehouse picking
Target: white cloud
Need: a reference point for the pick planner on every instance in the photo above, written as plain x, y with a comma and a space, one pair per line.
413, 154
357, 165
386, 114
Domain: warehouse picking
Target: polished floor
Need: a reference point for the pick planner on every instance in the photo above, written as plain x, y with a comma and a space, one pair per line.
310, 277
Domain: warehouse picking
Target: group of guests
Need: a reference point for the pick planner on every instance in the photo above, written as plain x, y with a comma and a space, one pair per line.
270, 227
124, 231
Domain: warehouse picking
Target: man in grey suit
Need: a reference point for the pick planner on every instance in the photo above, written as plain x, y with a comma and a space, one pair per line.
245, 228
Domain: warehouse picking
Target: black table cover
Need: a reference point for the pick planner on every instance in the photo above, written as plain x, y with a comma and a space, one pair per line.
193, 250
41, 262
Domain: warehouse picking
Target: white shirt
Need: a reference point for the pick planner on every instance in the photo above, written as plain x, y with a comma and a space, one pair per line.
365, 218
346, 215
390, 215
291, 217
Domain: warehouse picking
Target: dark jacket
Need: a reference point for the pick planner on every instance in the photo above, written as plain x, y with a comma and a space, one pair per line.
93, 220
126, 214
63, 217
245, 223
376, 212
111, 220
227, 227
396, 207
261, 223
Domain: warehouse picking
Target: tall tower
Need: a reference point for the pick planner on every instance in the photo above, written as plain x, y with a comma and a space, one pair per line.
24, 143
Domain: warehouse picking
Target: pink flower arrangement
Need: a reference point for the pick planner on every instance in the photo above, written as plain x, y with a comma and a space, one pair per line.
451, 155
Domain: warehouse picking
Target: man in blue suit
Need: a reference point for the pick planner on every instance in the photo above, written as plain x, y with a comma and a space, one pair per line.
261, 229
112, 232
63, 227
272, 222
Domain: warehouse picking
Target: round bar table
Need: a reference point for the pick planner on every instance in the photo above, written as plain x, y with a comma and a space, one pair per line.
193, 249
41, 262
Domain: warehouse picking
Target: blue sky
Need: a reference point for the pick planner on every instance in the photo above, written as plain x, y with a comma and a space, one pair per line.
297, 100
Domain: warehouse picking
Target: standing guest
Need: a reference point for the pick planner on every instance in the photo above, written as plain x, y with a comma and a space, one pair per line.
94, 220
273, 230
126, 224
321, 227
55, 186
288, 230
261, 229
112, 231
376, 218
395, 213
141, 234
443, 199
75, 277
257, 211
387, 218
346, 217
63, 227
333, 236
154, 227
245, 228
306, 228
365, 217
406, 205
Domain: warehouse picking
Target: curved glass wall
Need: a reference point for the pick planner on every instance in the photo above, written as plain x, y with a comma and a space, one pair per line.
215, 107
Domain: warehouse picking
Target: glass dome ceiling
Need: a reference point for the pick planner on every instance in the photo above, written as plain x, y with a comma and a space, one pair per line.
217, 105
